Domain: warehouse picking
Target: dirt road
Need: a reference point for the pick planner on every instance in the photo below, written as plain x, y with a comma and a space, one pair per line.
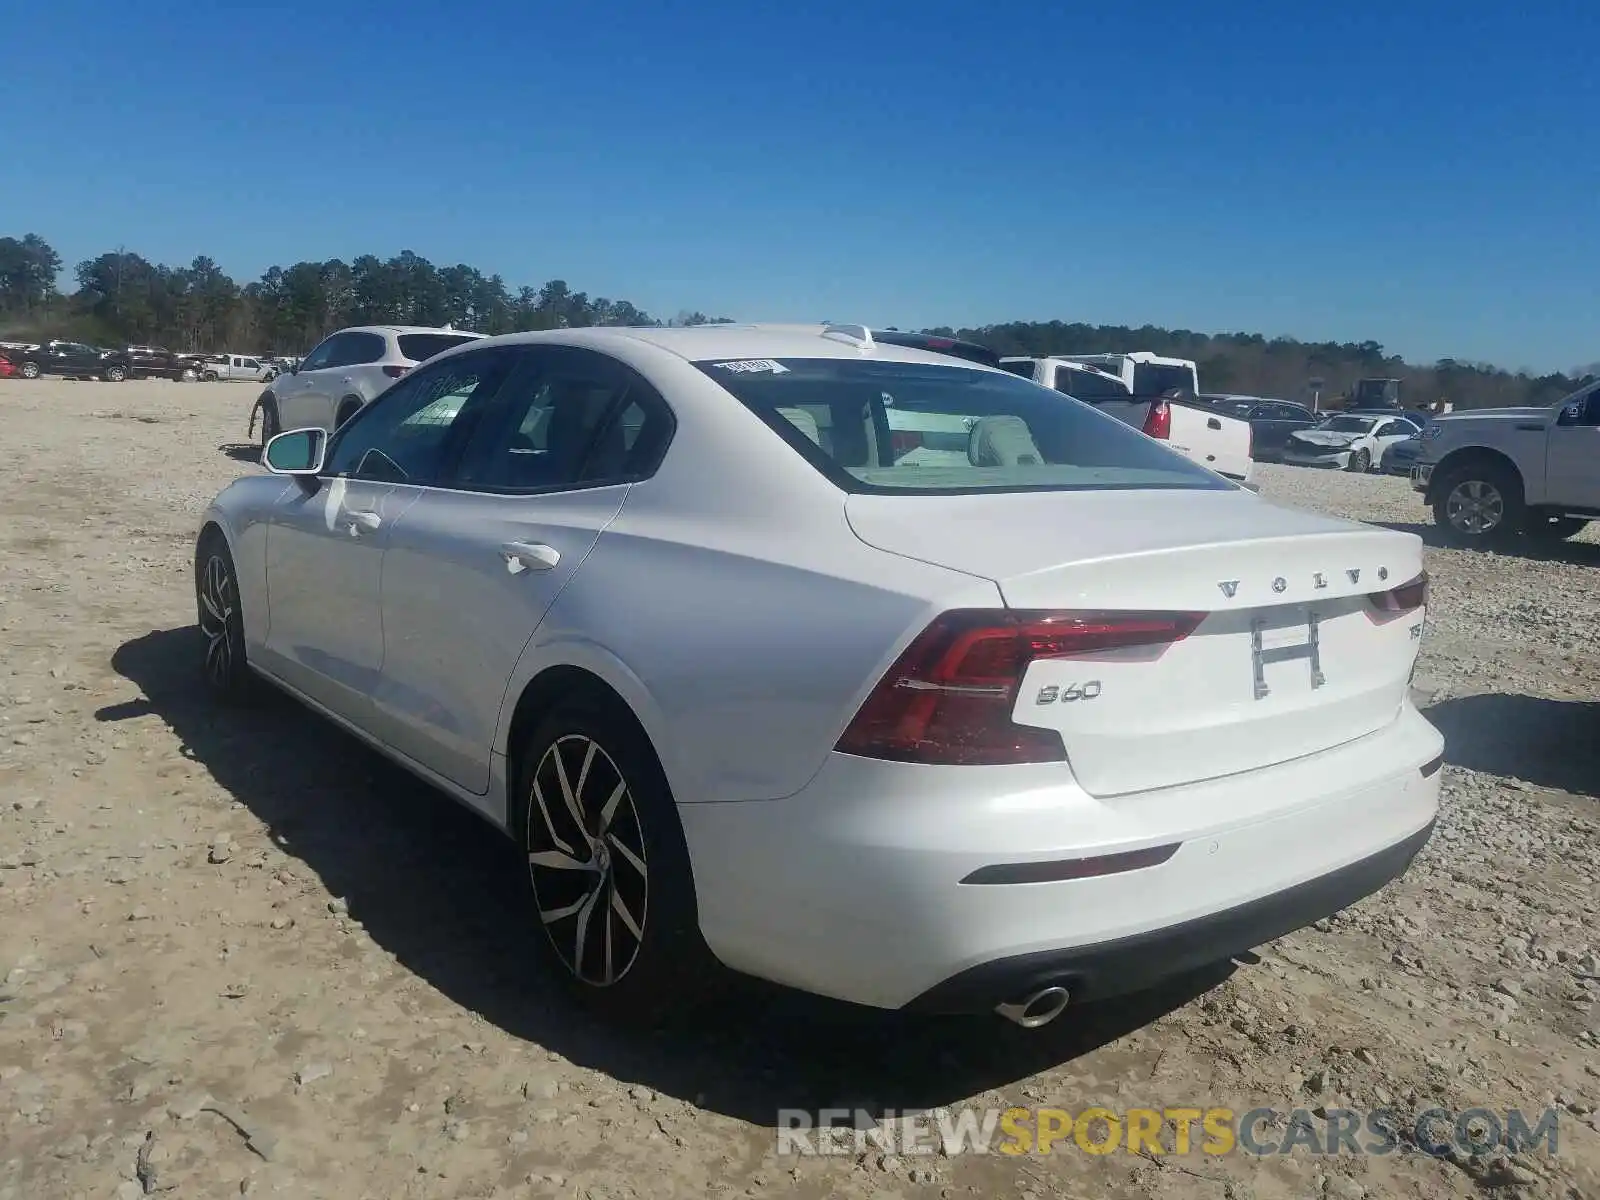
241, 953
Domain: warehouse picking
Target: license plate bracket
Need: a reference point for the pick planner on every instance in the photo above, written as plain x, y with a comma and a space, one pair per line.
1261, 653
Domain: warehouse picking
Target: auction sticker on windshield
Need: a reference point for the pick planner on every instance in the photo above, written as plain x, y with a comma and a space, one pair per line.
751, 366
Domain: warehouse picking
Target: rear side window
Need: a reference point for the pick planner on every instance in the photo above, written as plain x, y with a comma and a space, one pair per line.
896, 428
1089, 386
1023, 367
358, 348
419, 347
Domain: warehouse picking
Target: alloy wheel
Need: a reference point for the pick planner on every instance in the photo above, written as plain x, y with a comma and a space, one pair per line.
1475, 507
587, 860
217, 604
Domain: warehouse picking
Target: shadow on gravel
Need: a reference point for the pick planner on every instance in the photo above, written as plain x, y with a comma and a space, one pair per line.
1578, 554
1548, 743
242, 451
442, 891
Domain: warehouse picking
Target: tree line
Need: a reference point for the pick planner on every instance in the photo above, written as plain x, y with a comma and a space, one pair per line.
122, 298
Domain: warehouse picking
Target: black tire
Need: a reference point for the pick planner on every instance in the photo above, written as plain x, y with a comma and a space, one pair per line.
270, 426
116, 374
644, 962
1361, 461
348, 407
1479, 503
223, 665
29, 370
210, 377
1544, 528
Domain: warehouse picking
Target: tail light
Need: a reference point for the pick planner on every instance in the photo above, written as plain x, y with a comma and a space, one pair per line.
948, 697
394, 371
1408, 597
1158, 421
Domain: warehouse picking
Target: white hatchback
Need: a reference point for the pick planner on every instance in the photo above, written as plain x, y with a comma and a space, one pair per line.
345, 371
865, 670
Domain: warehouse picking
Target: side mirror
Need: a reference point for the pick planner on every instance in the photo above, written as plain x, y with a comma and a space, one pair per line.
298, 452
294, 368
1572, 414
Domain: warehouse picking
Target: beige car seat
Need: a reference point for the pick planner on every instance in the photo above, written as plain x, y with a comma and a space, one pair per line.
1002, 442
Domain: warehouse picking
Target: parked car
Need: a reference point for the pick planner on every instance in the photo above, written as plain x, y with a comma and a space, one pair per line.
1347, 441
345, 371
1490, 473
1217, 440
161, 363
1271, 421
74, 360
747, 689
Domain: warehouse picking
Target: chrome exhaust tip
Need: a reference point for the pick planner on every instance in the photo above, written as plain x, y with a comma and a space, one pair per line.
1036, 1010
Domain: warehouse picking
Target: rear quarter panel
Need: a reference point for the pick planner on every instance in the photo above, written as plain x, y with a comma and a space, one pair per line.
743, 648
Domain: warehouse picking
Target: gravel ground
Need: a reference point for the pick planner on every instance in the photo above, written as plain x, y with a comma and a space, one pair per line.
242, 954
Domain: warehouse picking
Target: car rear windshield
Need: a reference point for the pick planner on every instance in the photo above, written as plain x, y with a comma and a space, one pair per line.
1153, 379
419, 347
898, 428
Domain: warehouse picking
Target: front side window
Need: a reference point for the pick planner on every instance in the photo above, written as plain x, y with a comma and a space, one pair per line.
411, 432
322, 356
897, 428
567, 418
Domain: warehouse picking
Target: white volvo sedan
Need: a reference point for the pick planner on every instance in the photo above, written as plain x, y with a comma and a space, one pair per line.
872, 672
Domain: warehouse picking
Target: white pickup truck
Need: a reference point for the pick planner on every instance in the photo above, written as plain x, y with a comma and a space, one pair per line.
235, 366
1490, 473
1207, 435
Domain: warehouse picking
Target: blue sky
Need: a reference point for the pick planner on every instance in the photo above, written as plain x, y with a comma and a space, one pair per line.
1423, 174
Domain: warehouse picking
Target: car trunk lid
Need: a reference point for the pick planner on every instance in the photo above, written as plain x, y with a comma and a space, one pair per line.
1290, 656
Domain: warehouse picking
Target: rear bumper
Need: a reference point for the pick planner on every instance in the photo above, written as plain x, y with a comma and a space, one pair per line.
1128, 964
861, 886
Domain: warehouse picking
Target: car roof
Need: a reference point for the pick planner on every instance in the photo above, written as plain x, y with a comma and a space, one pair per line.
466, 333
731, 342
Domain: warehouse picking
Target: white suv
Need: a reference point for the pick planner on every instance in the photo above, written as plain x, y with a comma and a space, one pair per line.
345, 372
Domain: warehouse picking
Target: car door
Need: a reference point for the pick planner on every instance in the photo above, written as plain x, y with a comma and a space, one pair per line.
473, 568
78, 359
326, 546
1572, 453
297, 394
1388, 433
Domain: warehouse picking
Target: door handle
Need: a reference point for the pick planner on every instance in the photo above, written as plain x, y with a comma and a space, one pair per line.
526, 556
1213, 423
363, 522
